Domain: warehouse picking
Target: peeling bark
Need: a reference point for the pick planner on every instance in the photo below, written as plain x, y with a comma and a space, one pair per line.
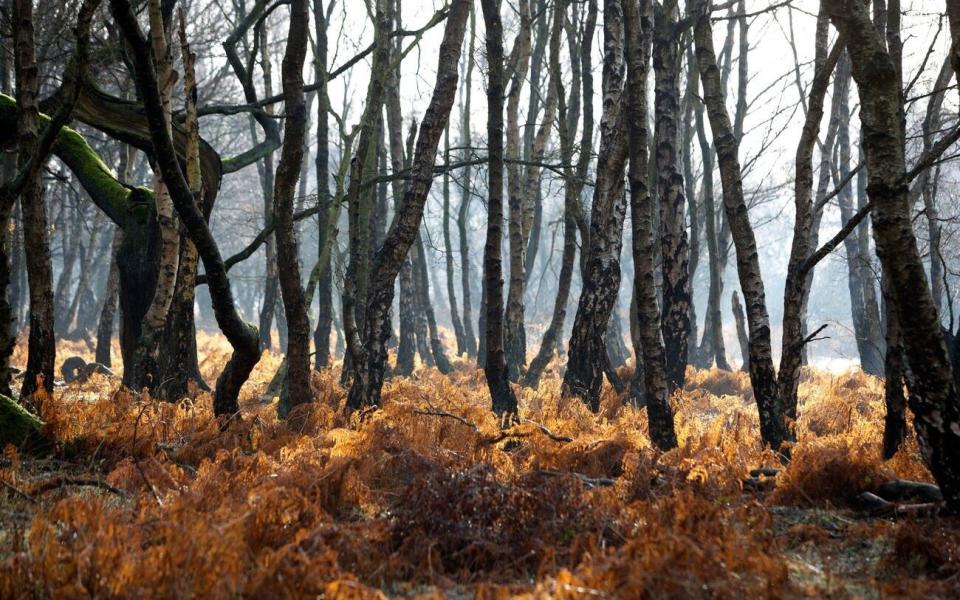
601, 279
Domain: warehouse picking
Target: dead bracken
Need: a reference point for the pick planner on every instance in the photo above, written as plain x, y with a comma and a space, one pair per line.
140, 497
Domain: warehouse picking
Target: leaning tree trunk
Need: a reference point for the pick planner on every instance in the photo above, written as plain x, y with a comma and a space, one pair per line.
504, 402
601, 279
796, 288
674, 248
763, 377
638, 27
242, 336
370, 368
933, 399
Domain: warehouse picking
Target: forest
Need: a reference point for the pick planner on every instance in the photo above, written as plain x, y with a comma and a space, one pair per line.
479, 299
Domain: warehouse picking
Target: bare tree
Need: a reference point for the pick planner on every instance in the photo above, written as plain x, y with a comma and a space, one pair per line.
640, 30
371, 358
601, 278
503, 400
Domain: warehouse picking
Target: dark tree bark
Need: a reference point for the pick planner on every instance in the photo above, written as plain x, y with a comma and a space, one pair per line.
587, 352
504, 402
108, 311
762, 374
674, 247
933, 399
321, 335
41, 346
242, 336
895, 379
640, 30
369, 370
297, 388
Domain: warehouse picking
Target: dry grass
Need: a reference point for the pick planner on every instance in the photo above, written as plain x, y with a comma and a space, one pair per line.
410, 504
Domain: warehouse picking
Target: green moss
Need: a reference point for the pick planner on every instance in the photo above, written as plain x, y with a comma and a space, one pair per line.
17, 424
118, 201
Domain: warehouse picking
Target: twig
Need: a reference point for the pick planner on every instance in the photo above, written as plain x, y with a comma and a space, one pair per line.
813, 336
18, 491
440, 413
503, 435
548, 433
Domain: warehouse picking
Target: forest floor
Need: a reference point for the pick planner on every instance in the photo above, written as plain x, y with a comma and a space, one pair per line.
425, 498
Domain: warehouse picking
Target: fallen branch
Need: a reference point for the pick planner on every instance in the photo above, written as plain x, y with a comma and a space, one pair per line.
487, 440
899, 490
588, 481
59, 481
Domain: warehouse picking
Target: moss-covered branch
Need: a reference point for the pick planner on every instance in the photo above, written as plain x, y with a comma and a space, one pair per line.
118, 201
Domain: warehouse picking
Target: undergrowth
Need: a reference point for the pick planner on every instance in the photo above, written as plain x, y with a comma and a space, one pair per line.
421, 497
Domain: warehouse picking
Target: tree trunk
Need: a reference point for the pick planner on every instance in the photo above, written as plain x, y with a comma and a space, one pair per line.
933, 398
895, 378
369, 372
41, 346
674, 248
567, 123
762, 374
504, 403
871, 357
448, 252
321, 335
640, 30
297, 388
601, 281
407, 348
109, 311
741, 323
712, 347
796, 289
241, 335
420, 270
463, 213
514, 333
145, 368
